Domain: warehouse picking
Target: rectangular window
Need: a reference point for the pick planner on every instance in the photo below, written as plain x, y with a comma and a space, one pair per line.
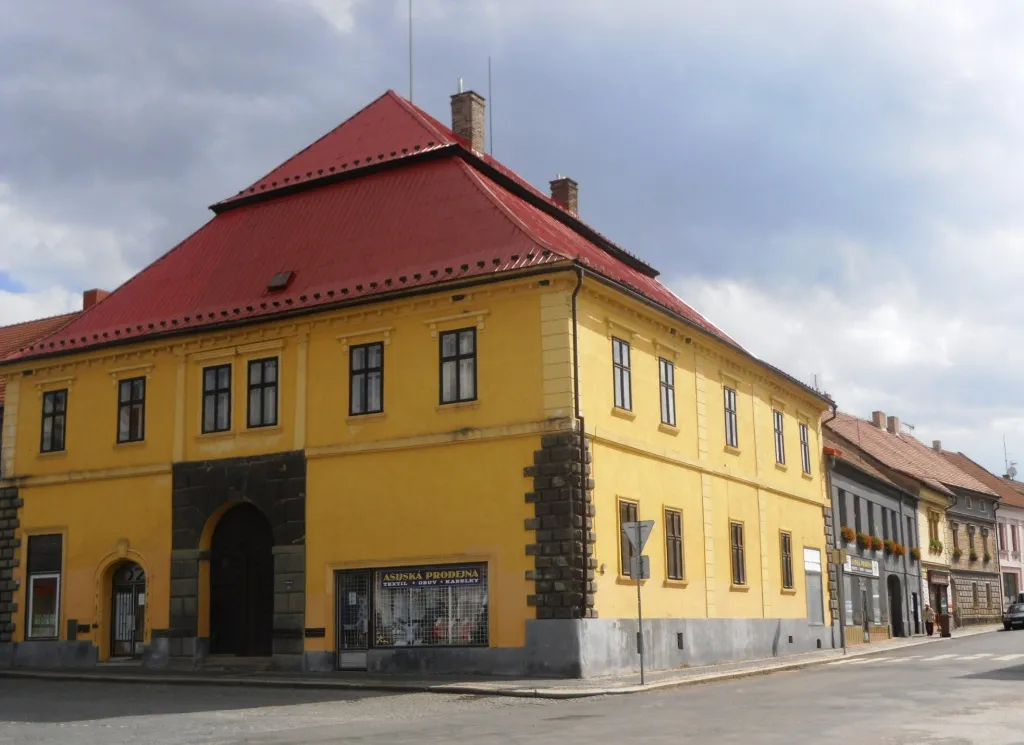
933, 527
786, 549
974, 593
217, 399
263, 393
885, 526
674, 544
44, 574
988, 594
956, 536
366, 379
812, 576
739, 565
429, 606
621, 375
780, 439
458, 366
732, 431
805, 448
871, 518
667, 373
1002, 536
856, 513
967, 502
131, 410
844, 521
628, 513
983, 505
1016, 539
55, 413
911, 533
896, 527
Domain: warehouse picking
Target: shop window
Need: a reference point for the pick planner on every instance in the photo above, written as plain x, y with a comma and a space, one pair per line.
216, 399
44, 575
667, 377
458, 366
628, 513
739, 562
786, 551
812, 576
674, 544
263, 393
55, 410
805, 448
622, 375
732, 432
780, 437
366, 379
131, 410
431, 606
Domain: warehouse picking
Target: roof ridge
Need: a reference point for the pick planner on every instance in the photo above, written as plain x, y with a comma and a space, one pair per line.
54, 317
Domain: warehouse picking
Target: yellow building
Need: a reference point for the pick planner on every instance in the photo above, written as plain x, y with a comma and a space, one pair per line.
339, 425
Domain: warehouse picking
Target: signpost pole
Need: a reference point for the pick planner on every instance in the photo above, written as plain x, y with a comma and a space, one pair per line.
840, 566
639, 607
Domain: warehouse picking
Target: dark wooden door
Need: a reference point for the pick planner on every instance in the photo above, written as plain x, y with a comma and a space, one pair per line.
242, 584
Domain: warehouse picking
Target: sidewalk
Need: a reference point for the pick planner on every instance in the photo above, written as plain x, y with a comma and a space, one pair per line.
519, 688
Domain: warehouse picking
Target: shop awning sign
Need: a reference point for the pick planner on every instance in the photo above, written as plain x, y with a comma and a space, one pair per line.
440, 576
857, 565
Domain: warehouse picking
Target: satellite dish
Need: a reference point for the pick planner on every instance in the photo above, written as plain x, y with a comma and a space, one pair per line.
1012, 472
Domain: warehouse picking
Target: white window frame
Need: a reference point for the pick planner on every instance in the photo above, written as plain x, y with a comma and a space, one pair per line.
31, 597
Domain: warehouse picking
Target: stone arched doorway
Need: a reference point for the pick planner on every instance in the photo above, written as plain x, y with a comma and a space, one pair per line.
242, 583
895, 605
127, 610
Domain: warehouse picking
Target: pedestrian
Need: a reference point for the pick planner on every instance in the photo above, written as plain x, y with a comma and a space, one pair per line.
929, 619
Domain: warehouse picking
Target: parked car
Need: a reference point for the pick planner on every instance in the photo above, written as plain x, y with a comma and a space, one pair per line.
1014, 616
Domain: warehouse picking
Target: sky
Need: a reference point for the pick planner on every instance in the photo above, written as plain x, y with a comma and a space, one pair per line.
840, 186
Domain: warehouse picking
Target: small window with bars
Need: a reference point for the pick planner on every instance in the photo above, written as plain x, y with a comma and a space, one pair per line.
628, 513
805, 448
131, 410
732, 431
366, 379
667, 375
458, 366
621, 375
216, 399
55, 412
780, 437
786, 550
674, 564
739, 561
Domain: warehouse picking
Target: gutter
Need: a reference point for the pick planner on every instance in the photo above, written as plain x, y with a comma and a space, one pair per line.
582, 432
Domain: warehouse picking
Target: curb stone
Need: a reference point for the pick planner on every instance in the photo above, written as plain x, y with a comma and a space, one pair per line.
466, 688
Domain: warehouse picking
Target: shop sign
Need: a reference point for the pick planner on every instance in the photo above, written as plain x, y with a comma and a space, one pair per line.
857, 565
938, 578
440, 576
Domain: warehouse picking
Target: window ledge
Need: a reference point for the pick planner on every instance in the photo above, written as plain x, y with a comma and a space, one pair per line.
215, 435
808, 476
458, 405
376, 415
270, 430
731, 450
53, 454
129, 444
788, 591
669, 429
781, 466
623, 579
739, 588
681, 583
623, 413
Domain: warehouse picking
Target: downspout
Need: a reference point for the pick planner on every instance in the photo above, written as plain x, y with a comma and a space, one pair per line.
582, 446
839, 567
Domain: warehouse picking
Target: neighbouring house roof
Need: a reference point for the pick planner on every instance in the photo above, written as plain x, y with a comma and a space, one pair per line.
389, 201
1006, 492
905, 454
857, 458
19, 335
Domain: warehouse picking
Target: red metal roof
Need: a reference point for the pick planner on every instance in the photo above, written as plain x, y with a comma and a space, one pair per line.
18, 335
1000, 486
400, 218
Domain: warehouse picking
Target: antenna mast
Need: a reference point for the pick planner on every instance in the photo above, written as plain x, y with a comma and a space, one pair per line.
490, 106
410, 51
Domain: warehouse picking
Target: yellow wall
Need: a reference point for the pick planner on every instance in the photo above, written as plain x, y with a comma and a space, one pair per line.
933, 502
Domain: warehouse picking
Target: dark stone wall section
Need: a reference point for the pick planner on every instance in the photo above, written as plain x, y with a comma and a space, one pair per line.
9, 504
833, 579
563, 525
289, 599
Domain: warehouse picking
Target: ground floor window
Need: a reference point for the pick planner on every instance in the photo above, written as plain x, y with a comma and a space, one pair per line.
812, 577
436, 605
1010, 587
44, 574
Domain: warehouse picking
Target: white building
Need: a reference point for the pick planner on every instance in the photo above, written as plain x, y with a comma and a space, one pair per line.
1010, 534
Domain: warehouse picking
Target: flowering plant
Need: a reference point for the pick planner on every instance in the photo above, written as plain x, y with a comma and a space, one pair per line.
973, 555
848, 535
876, 543
987, 557
957, 553
890, 545
899, 549
864, 540
915, 554
935, 546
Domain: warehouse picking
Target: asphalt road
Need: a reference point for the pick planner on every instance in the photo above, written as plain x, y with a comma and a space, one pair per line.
968, 690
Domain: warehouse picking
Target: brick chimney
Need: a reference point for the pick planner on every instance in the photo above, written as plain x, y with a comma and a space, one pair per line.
894, 425
91, 297
878, 419
566, 192
468, 117
937, 446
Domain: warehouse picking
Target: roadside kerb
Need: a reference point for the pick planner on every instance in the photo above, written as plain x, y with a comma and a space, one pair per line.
480, 689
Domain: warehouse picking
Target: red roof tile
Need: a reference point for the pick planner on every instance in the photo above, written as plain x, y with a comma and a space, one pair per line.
1007, 494
856, 457
905, 454
18, 335
408, 218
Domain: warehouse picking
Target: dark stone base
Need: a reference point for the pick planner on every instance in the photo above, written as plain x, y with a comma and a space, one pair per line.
10, 503
318, 662
49, 654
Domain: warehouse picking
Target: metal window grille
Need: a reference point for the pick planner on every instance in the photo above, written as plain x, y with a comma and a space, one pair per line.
621, 375
628, 513
674, 544
805, 448
366, 379
431, 606
55, 404
131, 410
217, 398
786, 541
780, 440
667, 375
739, 567
263, 393
732, 432
458, 366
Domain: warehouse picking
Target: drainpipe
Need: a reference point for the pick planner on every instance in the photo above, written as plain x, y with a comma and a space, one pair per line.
580, 427
999, 560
